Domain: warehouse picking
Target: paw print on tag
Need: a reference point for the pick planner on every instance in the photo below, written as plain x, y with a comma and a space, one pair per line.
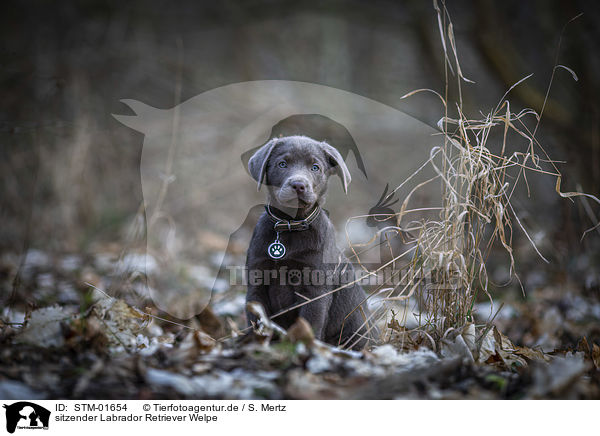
276, 250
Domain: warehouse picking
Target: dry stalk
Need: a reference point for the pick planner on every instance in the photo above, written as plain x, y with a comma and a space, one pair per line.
446, 267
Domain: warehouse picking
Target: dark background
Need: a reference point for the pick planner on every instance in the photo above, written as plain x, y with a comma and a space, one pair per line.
70, 172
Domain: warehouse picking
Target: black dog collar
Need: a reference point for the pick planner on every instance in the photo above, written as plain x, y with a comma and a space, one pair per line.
284, 225
276, 249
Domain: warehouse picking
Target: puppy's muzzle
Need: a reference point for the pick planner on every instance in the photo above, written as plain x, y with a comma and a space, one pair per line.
296, 188
299, 186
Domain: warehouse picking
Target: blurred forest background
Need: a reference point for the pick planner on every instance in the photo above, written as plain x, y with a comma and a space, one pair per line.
70, 180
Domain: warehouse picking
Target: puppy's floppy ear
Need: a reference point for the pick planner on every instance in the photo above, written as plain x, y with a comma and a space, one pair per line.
257, 165
337, 164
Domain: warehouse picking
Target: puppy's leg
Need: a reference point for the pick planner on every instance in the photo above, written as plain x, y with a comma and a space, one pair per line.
259, 294
316, 313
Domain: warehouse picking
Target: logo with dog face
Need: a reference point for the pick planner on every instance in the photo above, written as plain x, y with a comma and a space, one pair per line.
26, 415
195, 177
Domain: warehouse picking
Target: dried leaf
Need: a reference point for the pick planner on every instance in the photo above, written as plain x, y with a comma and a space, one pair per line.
455, 347
301, 331
210, 323
204, 343
264, 328
121, 323
468, 334
43, 327
506, 351
583, 345
488, 347
532, 354
596, 355
502, 341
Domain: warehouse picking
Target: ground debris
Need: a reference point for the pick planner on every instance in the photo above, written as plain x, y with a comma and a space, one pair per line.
108, 347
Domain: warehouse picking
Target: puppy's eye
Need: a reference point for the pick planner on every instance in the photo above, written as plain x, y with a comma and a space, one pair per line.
282, 164
315, 167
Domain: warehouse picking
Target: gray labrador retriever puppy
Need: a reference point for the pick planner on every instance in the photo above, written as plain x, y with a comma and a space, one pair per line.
293, 257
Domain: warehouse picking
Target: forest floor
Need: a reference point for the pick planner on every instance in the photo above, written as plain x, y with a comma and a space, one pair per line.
60, 338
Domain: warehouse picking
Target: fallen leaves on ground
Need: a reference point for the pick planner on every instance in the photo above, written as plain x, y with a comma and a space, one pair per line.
107, 347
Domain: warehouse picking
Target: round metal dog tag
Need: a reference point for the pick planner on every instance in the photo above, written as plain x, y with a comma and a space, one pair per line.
276, 250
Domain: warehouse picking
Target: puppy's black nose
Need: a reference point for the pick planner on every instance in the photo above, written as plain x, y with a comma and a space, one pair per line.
298, 186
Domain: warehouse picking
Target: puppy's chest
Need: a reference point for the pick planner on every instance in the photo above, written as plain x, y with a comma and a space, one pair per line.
301, 245
295, 249
295, 246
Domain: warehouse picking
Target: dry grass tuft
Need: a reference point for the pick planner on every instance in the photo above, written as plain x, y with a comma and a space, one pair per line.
445, 267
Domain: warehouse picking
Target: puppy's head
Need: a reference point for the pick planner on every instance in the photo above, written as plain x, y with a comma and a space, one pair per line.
295, 170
